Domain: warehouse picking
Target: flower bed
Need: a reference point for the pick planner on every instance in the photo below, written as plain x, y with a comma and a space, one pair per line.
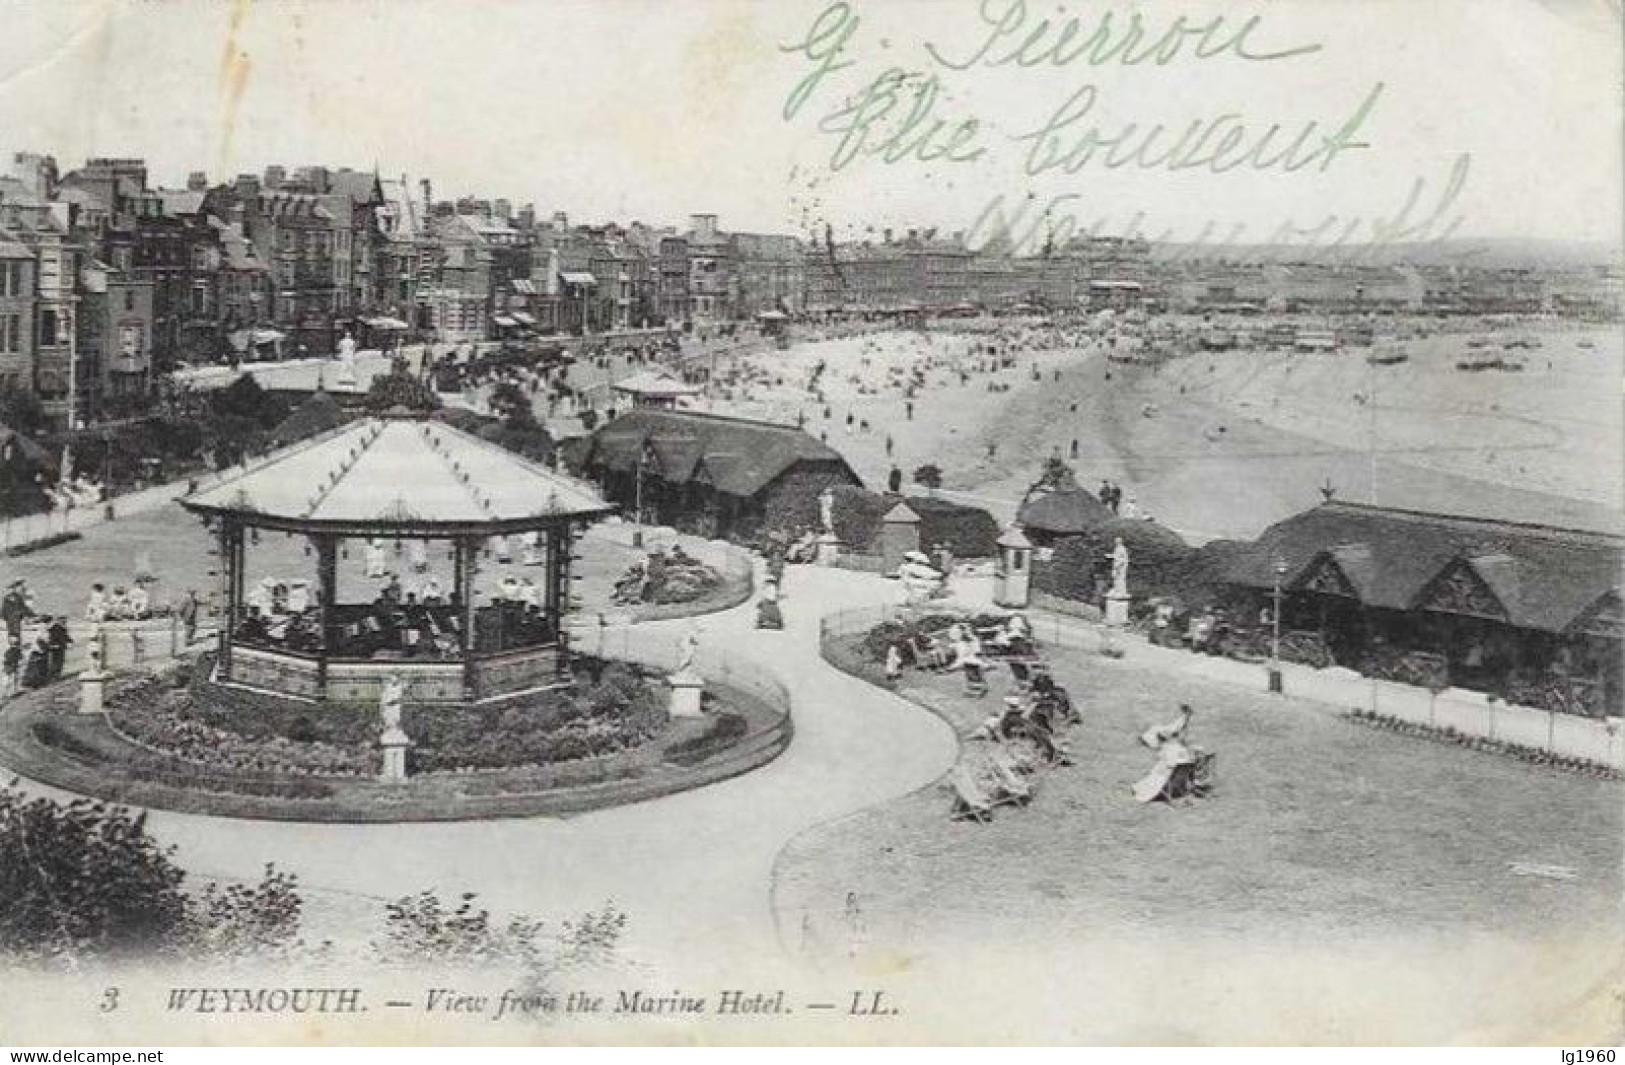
616, 713
1522, 752
886, 633
41, 544
153, 712
224, 729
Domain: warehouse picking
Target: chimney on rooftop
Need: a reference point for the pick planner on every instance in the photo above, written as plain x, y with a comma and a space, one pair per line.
428, 197
197, 181
561, 221
275, 177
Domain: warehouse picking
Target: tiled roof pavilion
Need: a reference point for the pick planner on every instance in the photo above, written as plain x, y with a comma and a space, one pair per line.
399, 475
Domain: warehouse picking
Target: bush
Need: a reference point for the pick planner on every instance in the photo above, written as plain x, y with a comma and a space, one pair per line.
83, 878
422, 929
1159, 561
247, 920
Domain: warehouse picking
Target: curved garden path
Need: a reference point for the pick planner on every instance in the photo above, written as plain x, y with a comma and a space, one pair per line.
692, 870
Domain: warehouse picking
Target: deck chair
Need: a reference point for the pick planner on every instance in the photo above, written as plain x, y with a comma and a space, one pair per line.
1025, 669
988, 634
1061, 705
1009, 781
975, 680
971, 803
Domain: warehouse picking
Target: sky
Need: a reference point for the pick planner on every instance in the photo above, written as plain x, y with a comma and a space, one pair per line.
635, 109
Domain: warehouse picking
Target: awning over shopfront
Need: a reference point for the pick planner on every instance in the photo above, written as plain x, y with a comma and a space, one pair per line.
523, 319
577, 277
384, 323
242, 339
524, 286
504, 320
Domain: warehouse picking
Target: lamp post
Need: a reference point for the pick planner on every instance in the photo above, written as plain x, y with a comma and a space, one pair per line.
637, 501
1275, 625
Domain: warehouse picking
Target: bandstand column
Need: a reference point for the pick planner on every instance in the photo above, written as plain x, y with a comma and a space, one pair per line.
327, 585
228, 593
559, 548
467, 550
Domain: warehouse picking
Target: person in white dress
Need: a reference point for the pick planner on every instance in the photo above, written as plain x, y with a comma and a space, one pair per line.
96, 608
140, 604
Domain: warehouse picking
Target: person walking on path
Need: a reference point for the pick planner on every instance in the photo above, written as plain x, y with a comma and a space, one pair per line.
14, 609
57, 641
189, 607
13, 665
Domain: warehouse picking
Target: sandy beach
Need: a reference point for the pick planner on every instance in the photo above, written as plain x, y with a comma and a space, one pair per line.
1221, 445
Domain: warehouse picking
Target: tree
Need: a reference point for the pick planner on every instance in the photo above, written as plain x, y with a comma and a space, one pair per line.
399, 388
929, 476
509, 402
21, 411
1056, 476
244, 400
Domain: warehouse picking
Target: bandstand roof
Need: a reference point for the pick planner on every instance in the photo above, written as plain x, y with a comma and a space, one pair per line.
398, 475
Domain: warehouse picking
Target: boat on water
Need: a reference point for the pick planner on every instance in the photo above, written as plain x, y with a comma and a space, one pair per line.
1480, 363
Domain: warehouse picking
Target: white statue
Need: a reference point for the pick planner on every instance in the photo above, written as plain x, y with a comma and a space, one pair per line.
390, 694
687, 650
826, 509
347, 360
1119, 568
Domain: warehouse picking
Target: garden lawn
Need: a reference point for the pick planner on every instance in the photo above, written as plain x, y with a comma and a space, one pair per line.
1321, 830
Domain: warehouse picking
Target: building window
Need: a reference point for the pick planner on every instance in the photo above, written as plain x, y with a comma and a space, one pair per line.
47, 327
11, 279
129, 299
10, 334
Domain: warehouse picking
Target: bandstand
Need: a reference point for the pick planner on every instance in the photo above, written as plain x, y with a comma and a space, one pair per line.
433, 494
